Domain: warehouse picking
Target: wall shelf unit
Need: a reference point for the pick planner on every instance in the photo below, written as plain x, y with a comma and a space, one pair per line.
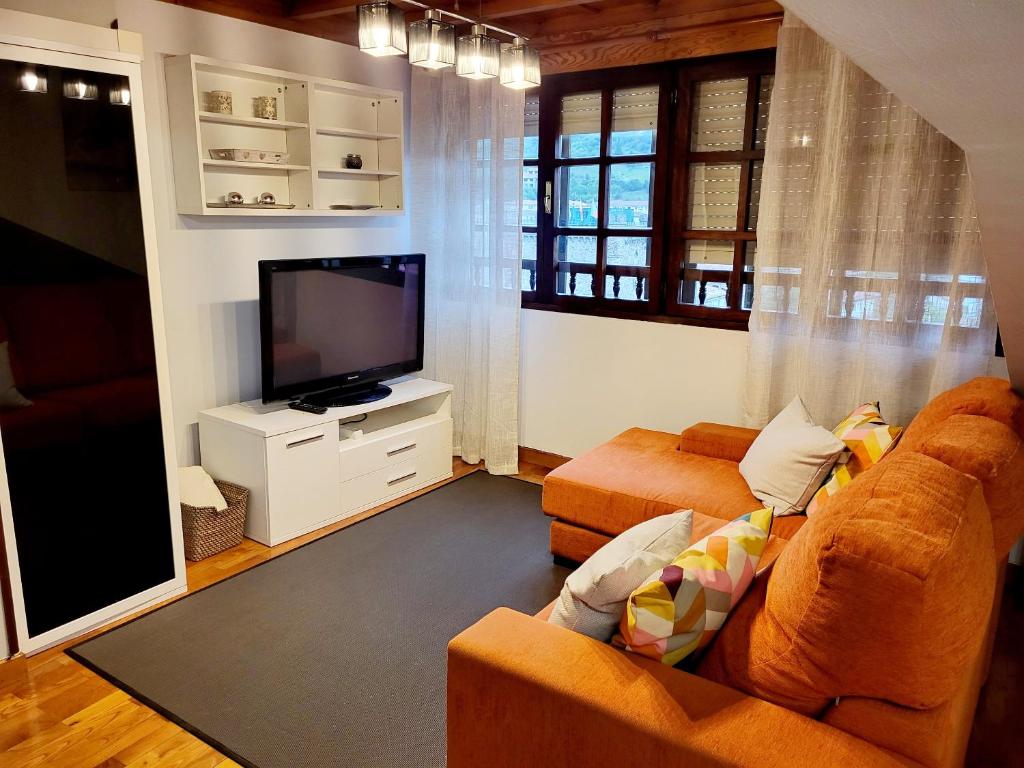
257, 122
356, 172
352, 133
319, 122
261, 166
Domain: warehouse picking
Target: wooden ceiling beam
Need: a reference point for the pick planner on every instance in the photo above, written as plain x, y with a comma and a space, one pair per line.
507, 9
631, 17
319, 9
272, 14
681, 43
650, 29
492, 10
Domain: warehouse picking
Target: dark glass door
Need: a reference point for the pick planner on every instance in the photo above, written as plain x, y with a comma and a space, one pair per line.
79, 408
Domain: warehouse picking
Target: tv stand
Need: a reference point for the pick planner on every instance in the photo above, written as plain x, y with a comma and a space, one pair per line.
342, 396
306, 470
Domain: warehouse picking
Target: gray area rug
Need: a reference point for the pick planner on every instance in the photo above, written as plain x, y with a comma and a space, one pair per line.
334, 654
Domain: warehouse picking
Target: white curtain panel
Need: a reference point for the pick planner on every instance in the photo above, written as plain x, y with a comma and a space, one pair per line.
466, 186
870, 282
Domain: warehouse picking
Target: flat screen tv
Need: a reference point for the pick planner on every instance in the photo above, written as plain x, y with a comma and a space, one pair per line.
332, 329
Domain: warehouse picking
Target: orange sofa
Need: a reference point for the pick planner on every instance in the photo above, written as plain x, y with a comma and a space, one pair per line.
865, 644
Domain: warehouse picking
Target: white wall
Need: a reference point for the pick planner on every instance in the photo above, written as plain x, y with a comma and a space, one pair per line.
208, 268
99, 13
585, 379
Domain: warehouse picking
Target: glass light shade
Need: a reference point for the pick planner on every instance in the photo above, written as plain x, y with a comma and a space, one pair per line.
121, 95
381, 29
520, 65
79, 89
432, 42
478, 54
32, 80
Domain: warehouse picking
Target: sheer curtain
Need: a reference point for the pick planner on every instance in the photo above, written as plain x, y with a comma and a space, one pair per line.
870, 281
466, 178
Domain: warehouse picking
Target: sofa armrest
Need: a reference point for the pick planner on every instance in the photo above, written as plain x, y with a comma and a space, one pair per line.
718, 441
522, 692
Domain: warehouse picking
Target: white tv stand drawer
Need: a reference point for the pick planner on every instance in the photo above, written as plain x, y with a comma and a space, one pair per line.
362, 455
305, 471
369, 490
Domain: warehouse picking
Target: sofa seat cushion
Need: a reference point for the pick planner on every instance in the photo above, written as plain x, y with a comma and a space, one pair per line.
119, 402
641, 474
45, 423
883, 595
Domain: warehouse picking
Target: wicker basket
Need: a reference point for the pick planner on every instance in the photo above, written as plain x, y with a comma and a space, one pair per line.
208, 531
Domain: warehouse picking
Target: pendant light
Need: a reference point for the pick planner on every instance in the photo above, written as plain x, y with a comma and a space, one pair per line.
32, 80
520, 65
121, 95
478, 54
381, 29
81, 90
432, 41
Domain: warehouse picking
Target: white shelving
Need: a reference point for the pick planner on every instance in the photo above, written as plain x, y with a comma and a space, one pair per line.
269, 167
352, 133
319, 122
257, 122
356, 172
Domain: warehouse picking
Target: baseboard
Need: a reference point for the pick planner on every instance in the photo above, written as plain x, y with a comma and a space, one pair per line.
541, 458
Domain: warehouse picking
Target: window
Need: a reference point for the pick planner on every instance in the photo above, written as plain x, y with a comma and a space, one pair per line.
641, 199
530, 194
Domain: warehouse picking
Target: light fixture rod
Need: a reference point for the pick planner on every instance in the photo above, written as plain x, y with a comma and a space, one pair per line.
460, 17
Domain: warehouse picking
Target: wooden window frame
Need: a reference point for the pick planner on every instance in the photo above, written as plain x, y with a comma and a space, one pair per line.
668, 212
531, 296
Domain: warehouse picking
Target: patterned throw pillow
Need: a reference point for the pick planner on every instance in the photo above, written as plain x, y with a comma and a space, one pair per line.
681, 607
868, 438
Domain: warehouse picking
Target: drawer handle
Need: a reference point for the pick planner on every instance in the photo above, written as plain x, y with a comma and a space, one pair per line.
397, 480
304, 441
401, 449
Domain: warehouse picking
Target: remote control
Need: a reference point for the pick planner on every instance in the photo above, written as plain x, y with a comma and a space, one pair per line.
298, 405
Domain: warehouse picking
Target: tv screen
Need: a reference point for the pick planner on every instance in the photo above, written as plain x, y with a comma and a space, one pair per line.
327, 323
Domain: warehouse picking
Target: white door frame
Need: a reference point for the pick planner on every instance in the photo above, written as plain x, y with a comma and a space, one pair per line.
128, 65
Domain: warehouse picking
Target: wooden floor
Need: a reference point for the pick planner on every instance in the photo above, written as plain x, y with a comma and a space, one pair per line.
56, 713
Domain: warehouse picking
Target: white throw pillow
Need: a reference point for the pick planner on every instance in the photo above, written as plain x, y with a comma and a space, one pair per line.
595, 594
10, 397
197, 489
790, 459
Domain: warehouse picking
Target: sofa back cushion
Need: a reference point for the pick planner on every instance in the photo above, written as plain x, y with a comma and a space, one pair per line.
884, 594
993, 453
983, 396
